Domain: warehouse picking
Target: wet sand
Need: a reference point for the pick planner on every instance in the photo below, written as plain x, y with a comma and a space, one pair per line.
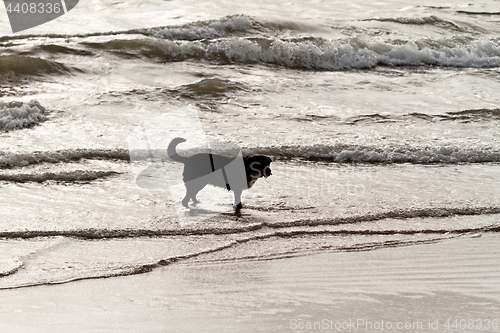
418, 286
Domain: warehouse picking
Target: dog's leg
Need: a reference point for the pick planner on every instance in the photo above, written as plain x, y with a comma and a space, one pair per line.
237, 199
185, 201
192, 189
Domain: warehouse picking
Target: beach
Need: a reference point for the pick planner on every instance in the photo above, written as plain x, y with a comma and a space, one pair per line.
418, 285
382, 211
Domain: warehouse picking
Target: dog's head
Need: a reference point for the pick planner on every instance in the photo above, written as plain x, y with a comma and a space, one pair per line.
258, 166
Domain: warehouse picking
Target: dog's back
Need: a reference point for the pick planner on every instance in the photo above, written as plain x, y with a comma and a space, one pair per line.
198, 165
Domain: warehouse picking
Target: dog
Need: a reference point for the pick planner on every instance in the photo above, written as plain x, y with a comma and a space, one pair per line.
233, 173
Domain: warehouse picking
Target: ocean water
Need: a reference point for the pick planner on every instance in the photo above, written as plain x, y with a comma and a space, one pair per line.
382, 119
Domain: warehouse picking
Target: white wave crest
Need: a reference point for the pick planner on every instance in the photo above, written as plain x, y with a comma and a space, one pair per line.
362, 154
357, 52
333, 153
11, 160
68, 177
18, 116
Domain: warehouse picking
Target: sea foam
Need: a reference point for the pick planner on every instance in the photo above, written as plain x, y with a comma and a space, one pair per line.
21, 115
357, 52
341, 153
319, 53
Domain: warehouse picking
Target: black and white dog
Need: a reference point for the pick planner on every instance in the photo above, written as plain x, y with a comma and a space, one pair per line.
233, 173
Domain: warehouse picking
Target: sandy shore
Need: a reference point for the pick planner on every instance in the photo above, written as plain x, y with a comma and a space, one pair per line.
415, 285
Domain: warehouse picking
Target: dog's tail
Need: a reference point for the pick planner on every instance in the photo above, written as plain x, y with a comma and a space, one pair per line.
172, 153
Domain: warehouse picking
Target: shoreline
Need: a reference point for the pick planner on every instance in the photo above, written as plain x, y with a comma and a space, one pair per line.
452, 279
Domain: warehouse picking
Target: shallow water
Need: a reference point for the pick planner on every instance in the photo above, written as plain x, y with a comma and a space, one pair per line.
382, 120
421, 286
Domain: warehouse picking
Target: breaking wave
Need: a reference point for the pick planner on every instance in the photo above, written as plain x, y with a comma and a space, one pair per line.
342, 153
66, 177
337, 153
18, 115
242, 39
11, 160
316, 53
